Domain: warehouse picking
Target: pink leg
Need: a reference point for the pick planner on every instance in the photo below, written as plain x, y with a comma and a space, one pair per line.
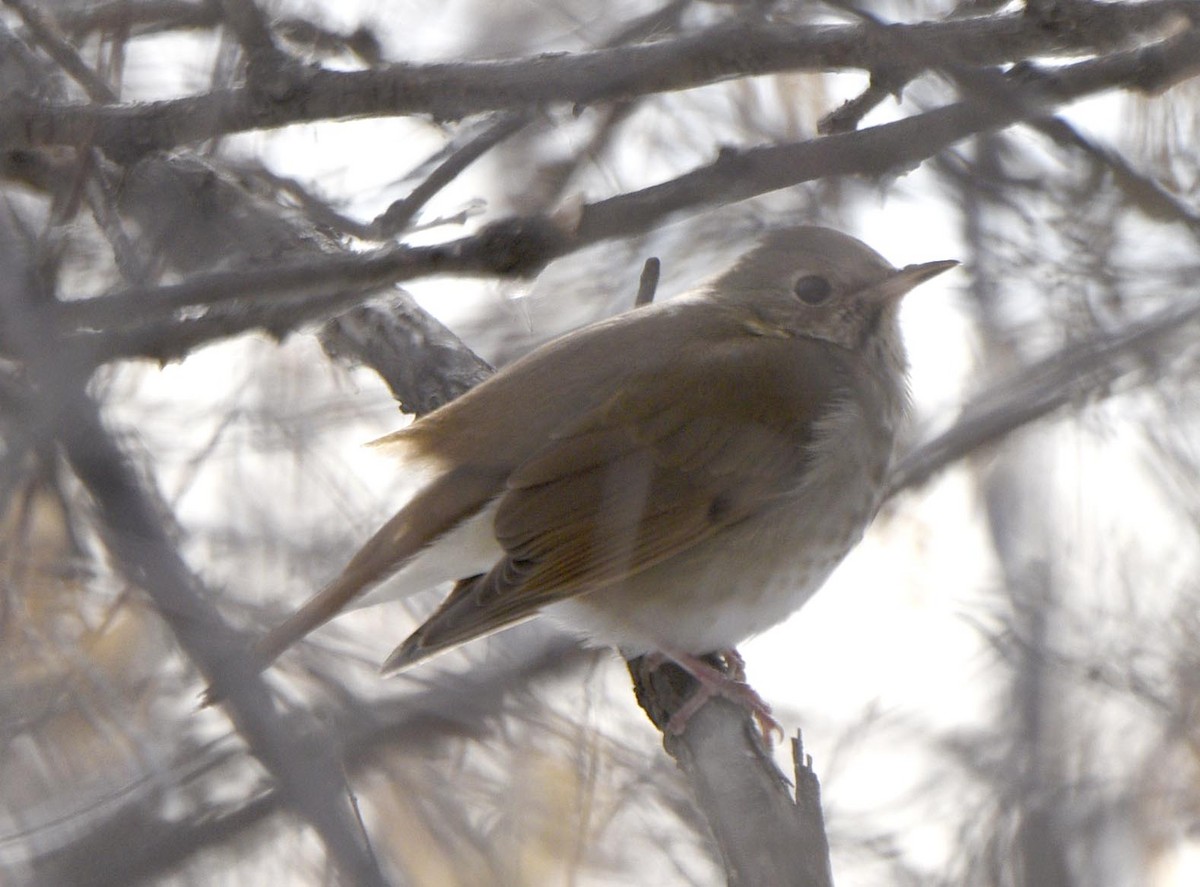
713, 682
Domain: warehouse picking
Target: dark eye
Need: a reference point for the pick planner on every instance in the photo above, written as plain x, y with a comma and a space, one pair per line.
812, 289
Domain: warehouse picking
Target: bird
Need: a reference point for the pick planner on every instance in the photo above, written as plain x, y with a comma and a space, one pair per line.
669, 481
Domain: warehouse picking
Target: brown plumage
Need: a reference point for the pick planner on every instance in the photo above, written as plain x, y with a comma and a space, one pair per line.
675, 478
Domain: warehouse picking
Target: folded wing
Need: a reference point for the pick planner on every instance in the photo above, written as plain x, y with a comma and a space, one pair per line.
632, 483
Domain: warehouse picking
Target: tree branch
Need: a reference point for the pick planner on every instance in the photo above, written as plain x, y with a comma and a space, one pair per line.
524, 245
1079, 370
766, 833
423, 363
454, 91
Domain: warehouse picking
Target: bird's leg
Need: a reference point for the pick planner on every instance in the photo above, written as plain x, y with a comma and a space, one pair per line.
714, 682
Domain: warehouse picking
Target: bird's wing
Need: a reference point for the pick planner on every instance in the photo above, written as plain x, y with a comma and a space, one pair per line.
649, 473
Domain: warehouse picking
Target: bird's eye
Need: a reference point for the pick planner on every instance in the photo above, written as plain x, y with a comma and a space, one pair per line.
812, 289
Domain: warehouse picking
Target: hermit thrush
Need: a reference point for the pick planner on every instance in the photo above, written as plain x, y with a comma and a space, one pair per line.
674, 479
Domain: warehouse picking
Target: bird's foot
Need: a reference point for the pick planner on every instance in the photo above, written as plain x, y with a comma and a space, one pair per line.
712, 681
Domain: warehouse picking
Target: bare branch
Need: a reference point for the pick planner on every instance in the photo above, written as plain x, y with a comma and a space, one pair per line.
59, 49
396, 218
252, 30
766, 834
424, 364
140, 16
1141, 190
1082, 369
453, 91
523, 246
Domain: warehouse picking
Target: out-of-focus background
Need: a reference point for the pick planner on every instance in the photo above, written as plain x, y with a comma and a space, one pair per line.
1000, 686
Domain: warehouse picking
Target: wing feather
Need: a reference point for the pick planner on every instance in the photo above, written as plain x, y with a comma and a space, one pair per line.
645, 475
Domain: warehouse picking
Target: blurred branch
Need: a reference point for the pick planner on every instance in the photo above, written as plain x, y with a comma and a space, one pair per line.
132, 531
267, 65
989, 88
250, 26
140, 16
396, 218
306, 772
137, 840
58, 48
1082, 369
520, 246
891, 147
1140, 190
453, 91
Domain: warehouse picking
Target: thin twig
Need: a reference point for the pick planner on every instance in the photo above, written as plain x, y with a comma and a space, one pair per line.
1140, 189
648, 282
58, 48
253, 32
396, 217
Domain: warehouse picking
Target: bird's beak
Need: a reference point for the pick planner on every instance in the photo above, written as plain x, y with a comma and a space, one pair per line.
910, 276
